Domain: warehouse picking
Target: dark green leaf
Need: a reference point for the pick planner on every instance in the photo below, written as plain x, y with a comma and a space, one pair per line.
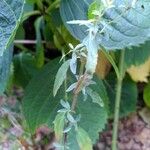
39, 105
10, 16
128, 97
147, 95
137, 55
39, 95
5, 63
24, 68
93, 117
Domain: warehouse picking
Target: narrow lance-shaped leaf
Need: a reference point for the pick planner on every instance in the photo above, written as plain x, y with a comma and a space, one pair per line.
83, 139
59, 126
60, 76
95, 96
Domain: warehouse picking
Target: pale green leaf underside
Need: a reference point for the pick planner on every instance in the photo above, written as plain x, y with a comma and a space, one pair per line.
61, 76
131, 28
10, 16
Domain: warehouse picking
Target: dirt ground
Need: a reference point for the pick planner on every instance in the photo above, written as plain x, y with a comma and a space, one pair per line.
134, 133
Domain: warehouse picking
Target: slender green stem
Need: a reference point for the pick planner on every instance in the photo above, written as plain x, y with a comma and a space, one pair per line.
117, 101
29, 14
52, 6
65, 83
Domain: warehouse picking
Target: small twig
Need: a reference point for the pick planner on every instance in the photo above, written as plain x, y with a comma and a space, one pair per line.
27, 42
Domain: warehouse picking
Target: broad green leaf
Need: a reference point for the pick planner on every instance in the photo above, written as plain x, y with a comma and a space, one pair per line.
39, 95
93, 117
5, 64
60, 76
20, 34
75, 10
128, 27
24, 68
72, 140
39, 104
83, 139
137, 55
128, 96
147, 94
59, 123
10, 17
96, 98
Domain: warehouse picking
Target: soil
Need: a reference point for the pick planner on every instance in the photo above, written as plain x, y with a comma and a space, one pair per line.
134, 134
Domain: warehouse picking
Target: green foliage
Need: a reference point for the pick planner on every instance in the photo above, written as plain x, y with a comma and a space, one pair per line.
83, 139
96, 25
137, 55
5, 64
93, 117
39, 46
24, 68
39, 95
59, 124
123, 25
11, 12
147, 95
61, 76
95, 97
128, 98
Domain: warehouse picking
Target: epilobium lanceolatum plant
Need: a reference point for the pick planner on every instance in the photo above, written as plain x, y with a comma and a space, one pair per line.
66, 94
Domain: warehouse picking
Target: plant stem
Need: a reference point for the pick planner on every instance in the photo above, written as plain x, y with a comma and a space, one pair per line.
52, 6
75, 96
117, 101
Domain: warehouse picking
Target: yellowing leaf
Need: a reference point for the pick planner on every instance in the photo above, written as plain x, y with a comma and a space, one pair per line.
140, 73
103, 66
83, 139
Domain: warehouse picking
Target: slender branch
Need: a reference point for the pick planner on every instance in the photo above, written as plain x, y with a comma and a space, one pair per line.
53, 6
27, 42
29, 14
117, 101
79, 84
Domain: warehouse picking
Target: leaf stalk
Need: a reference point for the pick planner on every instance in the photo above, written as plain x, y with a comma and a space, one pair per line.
117, 101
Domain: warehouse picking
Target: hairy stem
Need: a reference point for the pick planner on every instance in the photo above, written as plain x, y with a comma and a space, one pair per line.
117, 101
75, 97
